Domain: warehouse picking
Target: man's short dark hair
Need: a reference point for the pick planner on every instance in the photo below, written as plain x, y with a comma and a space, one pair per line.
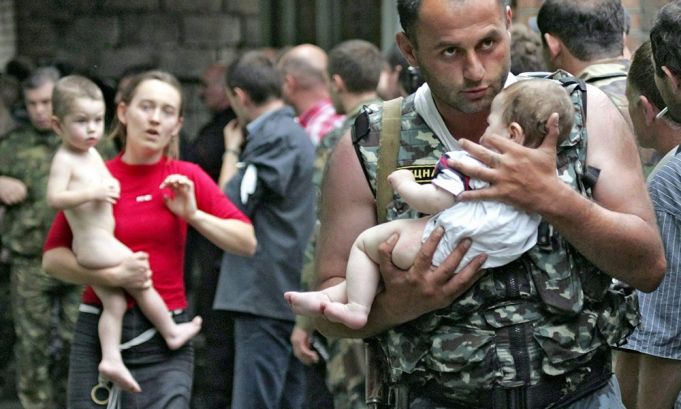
526, 50
665, 40
257, 75
642, 76
590, 29
409, 15
39, 77
359, 63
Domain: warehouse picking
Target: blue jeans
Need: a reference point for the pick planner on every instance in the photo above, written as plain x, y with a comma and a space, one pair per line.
266, 373
165, 376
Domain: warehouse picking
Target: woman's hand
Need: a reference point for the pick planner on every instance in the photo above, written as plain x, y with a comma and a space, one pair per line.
182, 202
134, 272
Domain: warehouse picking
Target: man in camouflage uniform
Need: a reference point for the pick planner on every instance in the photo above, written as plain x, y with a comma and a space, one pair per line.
38, 300
538, 332
354, 69
593, 52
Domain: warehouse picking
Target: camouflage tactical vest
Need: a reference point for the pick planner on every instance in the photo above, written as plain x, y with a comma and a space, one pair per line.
544, 314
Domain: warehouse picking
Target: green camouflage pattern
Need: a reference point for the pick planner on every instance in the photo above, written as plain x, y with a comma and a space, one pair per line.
611, 77
345, 368
552, 301
345, 372
45, 311
26, 154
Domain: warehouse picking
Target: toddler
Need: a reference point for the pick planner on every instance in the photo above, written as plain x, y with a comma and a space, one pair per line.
81, 186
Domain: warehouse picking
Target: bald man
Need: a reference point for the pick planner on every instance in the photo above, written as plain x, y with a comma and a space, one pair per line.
303, 69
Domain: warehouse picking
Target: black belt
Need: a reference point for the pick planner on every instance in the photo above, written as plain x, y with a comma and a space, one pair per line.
548, 393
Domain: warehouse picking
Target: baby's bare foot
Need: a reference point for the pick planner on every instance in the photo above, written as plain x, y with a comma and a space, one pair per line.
351, 315
183, 332
310, 304
116, 372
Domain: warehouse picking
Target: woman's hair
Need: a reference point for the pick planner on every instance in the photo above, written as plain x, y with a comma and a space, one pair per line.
531, 102
128, 93
70, 88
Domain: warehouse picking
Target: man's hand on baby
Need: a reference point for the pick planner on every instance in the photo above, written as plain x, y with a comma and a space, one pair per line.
523, 177
424, 288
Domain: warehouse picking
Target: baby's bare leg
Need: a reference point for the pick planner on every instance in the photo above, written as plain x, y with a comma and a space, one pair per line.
154, 308
109, 329
362, 273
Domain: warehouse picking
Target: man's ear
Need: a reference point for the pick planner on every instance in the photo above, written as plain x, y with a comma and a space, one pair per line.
649, 110
290, 82
672, 77
554, 45
509, 18
407, 48
338, 84
515, 131
241, 96
55, 124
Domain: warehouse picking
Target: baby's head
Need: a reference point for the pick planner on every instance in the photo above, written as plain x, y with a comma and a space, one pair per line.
78, 112
521, 110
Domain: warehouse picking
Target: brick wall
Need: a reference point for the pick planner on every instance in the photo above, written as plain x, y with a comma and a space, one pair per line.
181, 36
7, 31
106, 36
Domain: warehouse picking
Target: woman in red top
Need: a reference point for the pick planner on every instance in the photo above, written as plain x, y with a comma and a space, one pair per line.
159, 197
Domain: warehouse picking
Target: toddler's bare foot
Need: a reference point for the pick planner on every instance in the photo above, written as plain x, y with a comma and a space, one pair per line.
310, 303
351, 315
116, 372
183, 332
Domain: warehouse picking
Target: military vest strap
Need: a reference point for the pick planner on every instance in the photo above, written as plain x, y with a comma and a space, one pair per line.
387, 159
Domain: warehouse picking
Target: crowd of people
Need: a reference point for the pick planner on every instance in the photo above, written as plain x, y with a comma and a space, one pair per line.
294, 252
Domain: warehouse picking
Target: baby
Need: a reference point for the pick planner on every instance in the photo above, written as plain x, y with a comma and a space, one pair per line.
81, 185
500, 231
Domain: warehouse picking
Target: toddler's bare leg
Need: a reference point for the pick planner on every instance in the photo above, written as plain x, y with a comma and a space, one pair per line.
154, 308
110, 327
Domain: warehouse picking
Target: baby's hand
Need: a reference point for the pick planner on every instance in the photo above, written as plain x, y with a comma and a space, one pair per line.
108, 191
400, 176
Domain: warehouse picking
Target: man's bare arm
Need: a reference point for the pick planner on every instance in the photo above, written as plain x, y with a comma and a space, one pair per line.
347, 209
617, 231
